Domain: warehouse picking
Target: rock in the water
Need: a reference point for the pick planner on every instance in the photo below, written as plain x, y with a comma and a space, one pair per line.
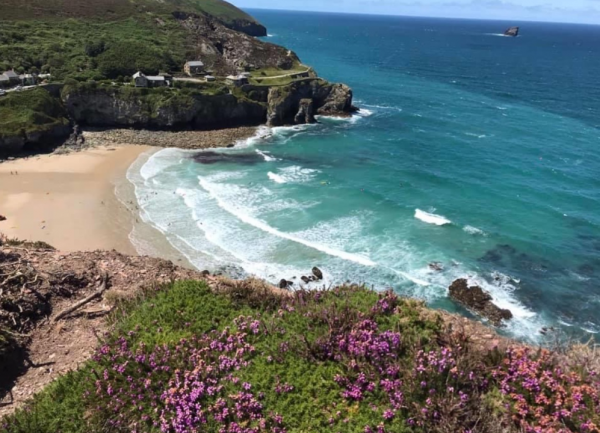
436, 266
479, 301
513, 31
283, 284
305, 279
306, 112
317, 273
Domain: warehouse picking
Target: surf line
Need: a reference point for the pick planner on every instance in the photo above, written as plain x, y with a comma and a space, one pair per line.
244, 217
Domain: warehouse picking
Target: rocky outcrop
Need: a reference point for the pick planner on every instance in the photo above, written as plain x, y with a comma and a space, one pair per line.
43, 139
306, 112
317, 273
513, 31
287, 104
224, 50
479, 301
251, 28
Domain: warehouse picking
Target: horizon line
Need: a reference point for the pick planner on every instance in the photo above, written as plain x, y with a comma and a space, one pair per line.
423, 16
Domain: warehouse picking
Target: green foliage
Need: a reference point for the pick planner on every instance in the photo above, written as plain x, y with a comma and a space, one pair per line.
30, 111
59, 408
85, 49
111, 10
185, 309
126, 58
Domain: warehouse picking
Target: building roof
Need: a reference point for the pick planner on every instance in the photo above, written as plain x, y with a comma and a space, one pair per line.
195, 63
156, 78
11, 74
4, 77
138, 75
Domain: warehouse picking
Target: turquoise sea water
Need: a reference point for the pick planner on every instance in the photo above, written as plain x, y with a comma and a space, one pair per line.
473, 150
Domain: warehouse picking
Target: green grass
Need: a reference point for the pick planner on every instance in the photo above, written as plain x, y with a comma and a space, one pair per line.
30, 111
187, 309
115, 9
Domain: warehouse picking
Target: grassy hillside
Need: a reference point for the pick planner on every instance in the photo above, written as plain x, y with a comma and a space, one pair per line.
30, 112
109, 10
184, 359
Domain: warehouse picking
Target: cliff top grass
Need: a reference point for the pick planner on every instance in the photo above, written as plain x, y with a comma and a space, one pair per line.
29, 111
110, 10
184, 359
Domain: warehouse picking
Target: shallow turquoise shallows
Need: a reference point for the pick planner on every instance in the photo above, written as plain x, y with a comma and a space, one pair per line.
472, 150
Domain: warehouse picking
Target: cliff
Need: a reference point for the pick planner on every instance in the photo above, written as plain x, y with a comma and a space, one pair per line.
103, 105
300, 101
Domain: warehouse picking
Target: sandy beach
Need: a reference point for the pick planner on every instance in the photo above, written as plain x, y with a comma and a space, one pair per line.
69, 200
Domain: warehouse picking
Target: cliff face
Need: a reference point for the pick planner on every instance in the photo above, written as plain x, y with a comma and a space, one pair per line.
173, 109
225, 48
117, 108
298, 102
251, 28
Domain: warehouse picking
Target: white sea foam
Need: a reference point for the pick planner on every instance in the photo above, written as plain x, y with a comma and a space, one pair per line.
245, 217
262, 134
431, 218
276, 178
471, 134
293, 174
473, 231
381, 107
409, 277
266, 156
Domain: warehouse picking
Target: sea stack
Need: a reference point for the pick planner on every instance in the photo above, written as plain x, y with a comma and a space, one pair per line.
513, 32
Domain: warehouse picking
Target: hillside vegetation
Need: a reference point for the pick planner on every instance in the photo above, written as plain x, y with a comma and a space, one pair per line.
115, 38
110, 10
186, 359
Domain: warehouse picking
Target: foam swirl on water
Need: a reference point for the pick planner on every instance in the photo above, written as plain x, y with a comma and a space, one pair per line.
431, 218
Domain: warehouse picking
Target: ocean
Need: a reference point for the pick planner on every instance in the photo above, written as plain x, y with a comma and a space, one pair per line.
472, 150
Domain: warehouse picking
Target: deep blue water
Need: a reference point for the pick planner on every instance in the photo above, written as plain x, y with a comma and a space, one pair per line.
495, 139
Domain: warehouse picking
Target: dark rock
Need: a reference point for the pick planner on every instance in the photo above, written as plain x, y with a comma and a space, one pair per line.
283, 284
205, 273
436, 266
479, 301
306, 112
2, 218
305, 279
317, 273
328, 99
513, 31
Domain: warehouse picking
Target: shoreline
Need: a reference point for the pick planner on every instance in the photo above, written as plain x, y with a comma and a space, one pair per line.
69, 200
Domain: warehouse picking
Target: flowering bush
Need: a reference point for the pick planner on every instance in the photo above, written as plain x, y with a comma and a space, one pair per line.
187, 360
545, 397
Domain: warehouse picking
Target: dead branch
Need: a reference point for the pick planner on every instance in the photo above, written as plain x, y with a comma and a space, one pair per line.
97, 294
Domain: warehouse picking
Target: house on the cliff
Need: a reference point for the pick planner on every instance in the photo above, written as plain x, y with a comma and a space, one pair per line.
194, 67
13, 78
142, 80
28, 79
236, 80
